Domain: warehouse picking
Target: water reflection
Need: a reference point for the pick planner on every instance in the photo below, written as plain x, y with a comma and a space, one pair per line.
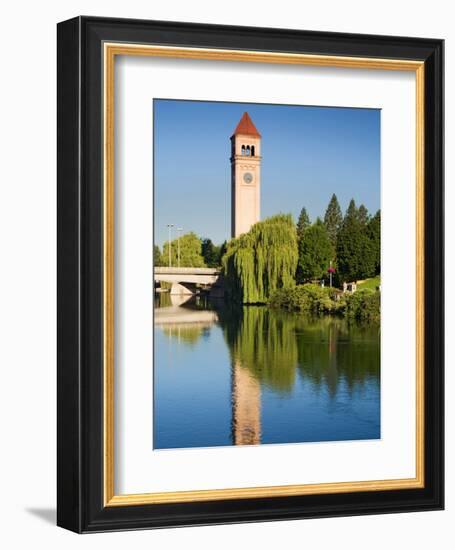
274, 376
246, 407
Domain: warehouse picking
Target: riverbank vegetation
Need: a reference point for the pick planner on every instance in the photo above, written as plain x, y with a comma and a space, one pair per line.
298, 267
362, 306
308, 298
303, 267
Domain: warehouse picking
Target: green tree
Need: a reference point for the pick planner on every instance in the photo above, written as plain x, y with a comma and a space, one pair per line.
190, 251
262, 260
210, 253
333, 219
362, 214
156, 256
374, 232
352, 214
355, 251
302, 223
315, 251
221, 252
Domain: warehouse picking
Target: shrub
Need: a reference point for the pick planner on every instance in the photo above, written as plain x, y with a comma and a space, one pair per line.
364, 306
308, 298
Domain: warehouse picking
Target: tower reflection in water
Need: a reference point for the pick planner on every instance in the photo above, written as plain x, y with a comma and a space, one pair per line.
246, 407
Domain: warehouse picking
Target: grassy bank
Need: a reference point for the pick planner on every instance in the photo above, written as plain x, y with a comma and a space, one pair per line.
372, 284
363, 306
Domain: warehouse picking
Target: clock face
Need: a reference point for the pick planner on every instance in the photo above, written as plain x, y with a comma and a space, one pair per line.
247, 177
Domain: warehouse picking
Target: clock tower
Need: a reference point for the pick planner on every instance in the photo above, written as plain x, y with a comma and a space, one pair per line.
245, 176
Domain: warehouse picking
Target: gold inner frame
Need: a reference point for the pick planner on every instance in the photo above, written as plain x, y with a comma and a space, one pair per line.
111, 50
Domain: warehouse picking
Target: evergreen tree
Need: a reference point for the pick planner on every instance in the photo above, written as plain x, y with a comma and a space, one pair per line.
352, 213
221, 252
333, 219
210, 253
355, 250
363, 216
190, 251
374, 232
302, 223
315, 252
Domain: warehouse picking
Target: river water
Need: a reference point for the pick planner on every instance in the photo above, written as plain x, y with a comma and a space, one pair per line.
251, 375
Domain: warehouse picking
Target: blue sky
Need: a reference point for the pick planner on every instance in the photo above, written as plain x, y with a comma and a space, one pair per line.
308, 153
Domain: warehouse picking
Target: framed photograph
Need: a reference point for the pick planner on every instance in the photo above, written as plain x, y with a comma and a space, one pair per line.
250, 274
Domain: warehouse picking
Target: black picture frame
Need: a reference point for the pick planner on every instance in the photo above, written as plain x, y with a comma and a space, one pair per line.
80, 474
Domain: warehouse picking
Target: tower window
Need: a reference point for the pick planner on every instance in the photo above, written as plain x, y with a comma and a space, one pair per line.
252, 150
248, 151
243, 150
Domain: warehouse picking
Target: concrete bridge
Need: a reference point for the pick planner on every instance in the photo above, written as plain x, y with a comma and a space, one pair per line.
185, 279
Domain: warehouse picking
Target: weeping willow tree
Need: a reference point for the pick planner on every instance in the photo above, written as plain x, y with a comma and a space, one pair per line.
262, 260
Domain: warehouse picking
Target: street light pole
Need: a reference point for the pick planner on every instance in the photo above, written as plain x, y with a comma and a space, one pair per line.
179, 231
170, 225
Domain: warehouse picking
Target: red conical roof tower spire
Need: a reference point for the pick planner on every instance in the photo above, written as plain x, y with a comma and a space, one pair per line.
246, 127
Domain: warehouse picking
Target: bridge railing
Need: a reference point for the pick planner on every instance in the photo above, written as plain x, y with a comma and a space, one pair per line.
186, 270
